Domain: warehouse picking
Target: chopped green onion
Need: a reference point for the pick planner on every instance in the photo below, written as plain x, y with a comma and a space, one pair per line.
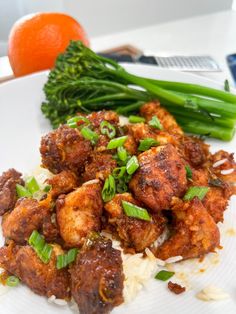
164, 275
119, 172
226, 86
155, 123
198, 191
12, 281
42, 249
136, 119
116, 142
122, 153
65, 259
73, 122
121, 187
22, 191
89, 134
146, 143
135, 211
47, 188
189, 173
109, 189
132, 165
108, 129
32, 185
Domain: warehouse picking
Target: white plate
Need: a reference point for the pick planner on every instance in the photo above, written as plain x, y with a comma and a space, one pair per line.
21, 126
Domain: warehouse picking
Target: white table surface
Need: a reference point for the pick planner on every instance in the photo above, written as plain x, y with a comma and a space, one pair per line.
212, 34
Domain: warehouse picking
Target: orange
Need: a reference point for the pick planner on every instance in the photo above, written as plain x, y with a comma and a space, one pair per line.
36, 40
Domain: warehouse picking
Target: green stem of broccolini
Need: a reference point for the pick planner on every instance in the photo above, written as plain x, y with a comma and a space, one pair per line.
84, 81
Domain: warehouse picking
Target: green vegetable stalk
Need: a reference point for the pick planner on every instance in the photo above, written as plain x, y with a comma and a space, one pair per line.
85, 81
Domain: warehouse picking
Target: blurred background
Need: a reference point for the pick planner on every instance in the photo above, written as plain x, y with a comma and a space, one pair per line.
104, 17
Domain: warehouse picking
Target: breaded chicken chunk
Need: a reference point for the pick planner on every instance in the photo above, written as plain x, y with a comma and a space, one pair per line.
224, 166
27, 216
43, 279
96, 118
78, 213
193, 150
217, 198
97, 277
167, 120
64, 149
195, 232
62, 183
139, 131
133, 232
8, 196
161, 176
99, 166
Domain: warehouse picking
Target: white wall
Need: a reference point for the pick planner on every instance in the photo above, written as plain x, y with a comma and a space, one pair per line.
107, 16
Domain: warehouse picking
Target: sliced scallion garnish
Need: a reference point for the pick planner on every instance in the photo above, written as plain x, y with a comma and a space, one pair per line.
90, 135
132, 165
155, 123
109, 189
136, 119
198, 191
43, 250
135, 211
122, 153
189, 173
74, 122
31, 185
22, 191
164, 275
65, 259
116, 142
12, 281
119, 172
108, 129
146, 143
47, 188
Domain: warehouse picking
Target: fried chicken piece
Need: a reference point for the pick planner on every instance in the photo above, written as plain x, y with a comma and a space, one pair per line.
78, 213
133, 232
226, 170
216, 199
8, 196
99, 166
175, 288
62, 183
167, 120
195, 232
27, 216
193, 150
139, 131
96, 118
97, 277
161, 176
43, 279
64, 149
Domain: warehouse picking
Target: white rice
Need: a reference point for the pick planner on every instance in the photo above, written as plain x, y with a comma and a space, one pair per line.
91, 182
219, 163
173, 259
123, 120
212, 293
227, 171
56, 301
137, 270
